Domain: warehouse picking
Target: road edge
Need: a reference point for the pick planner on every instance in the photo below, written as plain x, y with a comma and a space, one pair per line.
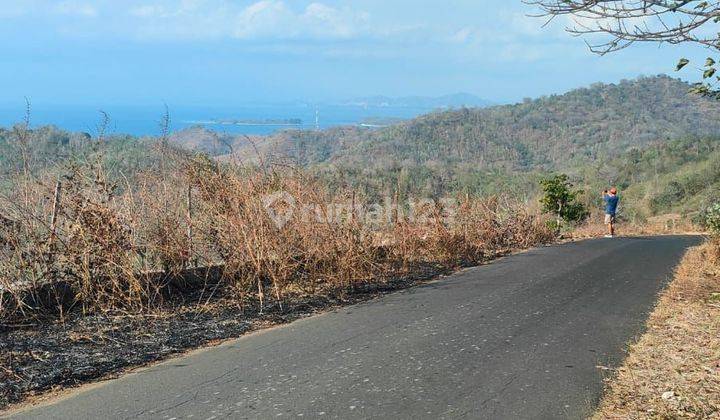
673, 369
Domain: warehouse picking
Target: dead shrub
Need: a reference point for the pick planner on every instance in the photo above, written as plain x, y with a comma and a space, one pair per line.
268, 230
303, 245
471, 232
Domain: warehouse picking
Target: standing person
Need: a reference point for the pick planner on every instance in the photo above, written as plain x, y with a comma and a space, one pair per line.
611, 202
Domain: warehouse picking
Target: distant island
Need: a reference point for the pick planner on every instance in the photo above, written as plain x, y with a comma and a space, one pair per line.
283, 121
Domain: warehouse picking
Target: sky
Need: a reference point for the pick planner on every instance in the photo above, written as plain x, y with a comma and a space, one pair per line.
224, 52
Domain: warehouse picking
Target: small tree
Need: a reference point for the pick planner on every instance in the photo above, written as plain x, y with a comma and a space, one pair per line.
712, 219
560, 199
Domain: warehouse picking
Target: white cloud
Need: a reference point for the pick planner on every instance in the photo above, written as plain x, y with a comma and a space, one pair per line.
462, 36
274, 19
147, 11
330, 28
266, 19
262, 20
76, 8
511, 36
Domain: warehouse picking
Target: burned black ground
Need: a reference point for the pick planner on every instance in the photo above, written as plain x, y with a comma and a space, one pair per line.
35, 359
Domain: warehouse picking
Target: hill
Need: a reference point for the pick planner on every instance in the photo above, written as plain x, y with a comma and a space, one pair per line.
45, 151
549, 133
501, 148
647, 135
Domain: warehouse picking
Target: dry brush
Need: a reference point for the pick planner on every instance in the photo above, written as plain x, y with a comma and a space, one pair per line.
194, 223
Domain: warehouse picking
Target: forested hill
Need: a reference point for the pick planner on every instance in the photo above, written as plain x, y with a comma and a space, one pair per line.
648, 136
549, 133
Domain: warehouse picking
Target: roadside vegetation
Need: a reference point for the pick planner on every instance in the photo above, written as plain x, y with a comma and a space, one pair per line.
103, 247
83, 243
673, 371
117, 251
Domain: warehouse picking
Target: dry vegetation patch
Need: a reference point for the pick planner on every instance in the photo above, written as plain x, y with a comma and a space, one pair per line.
671, 224
98, 275
673, 371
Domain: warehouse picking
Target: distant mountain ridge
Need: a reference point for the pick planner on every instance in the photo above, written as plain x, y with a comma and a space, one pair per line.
496, 148
548, 133
649, 136
456, 100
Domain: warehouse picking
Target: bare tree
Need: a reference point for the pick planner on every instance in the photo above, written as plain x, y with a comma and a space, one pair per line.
612, 25
165, 127
102, 126
22, 140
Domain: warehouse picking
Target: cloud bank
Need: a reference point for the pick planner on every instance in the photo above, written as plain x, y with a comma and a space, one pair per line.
331, 28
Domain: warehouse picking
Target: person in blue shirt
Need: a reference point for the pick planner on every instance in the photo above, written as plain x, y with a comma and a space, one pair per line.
611, 202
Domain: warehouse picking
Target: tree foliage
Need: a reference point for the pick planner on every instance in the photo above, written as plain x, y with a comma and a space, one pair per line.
712, 218
646, 136
612, 25
43, 150
551, 133
560, 199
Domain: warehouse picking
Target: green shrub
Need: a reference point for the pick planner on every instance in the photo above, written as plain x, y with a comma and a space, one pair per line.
553, 225
560, 199
712, 218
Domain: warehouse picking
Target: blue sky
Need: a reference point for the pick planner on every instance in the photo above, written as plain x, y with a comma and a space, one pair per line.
223, 52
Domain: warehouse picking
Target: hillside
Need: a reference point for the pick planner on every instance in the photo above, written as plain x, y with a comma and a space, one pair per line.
680, 177
659, 144
46, 150
500, 148
549, 133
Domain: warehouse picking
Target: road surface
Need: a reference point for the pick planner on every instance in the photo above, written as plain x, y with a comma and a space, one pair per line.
524, 337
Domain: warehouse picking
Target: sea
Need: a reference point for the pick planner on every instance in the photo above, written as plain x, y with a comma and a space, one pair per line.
250, 119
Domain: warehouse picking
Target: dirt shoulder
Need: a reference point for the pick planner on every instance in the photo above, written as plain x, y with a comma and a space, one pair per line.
673, 371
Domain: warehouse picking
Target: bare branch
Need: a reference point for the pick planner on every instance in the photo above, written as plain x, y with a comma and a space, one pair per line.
612, 25
625, 22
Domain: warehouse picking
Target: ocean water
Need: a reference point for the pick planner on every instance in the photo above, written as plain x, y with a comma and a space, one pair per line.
145, 120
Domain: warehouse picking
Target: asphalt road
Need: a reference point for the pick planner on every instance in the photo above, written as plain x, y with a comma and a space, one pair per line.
520, 338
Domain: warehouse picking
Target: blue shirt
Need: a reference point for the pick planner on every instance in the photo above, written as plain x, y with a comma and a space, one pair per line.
611, 202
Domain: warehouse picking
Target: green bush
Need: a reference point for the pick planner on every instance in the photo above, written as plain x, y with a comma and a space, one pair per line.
712, 218
553, 225
560, 199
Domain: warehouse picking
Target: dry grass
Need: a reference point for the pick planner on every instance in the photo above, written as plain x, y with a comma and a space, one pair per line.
660, 225
479, 230
129, 248
673, 371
